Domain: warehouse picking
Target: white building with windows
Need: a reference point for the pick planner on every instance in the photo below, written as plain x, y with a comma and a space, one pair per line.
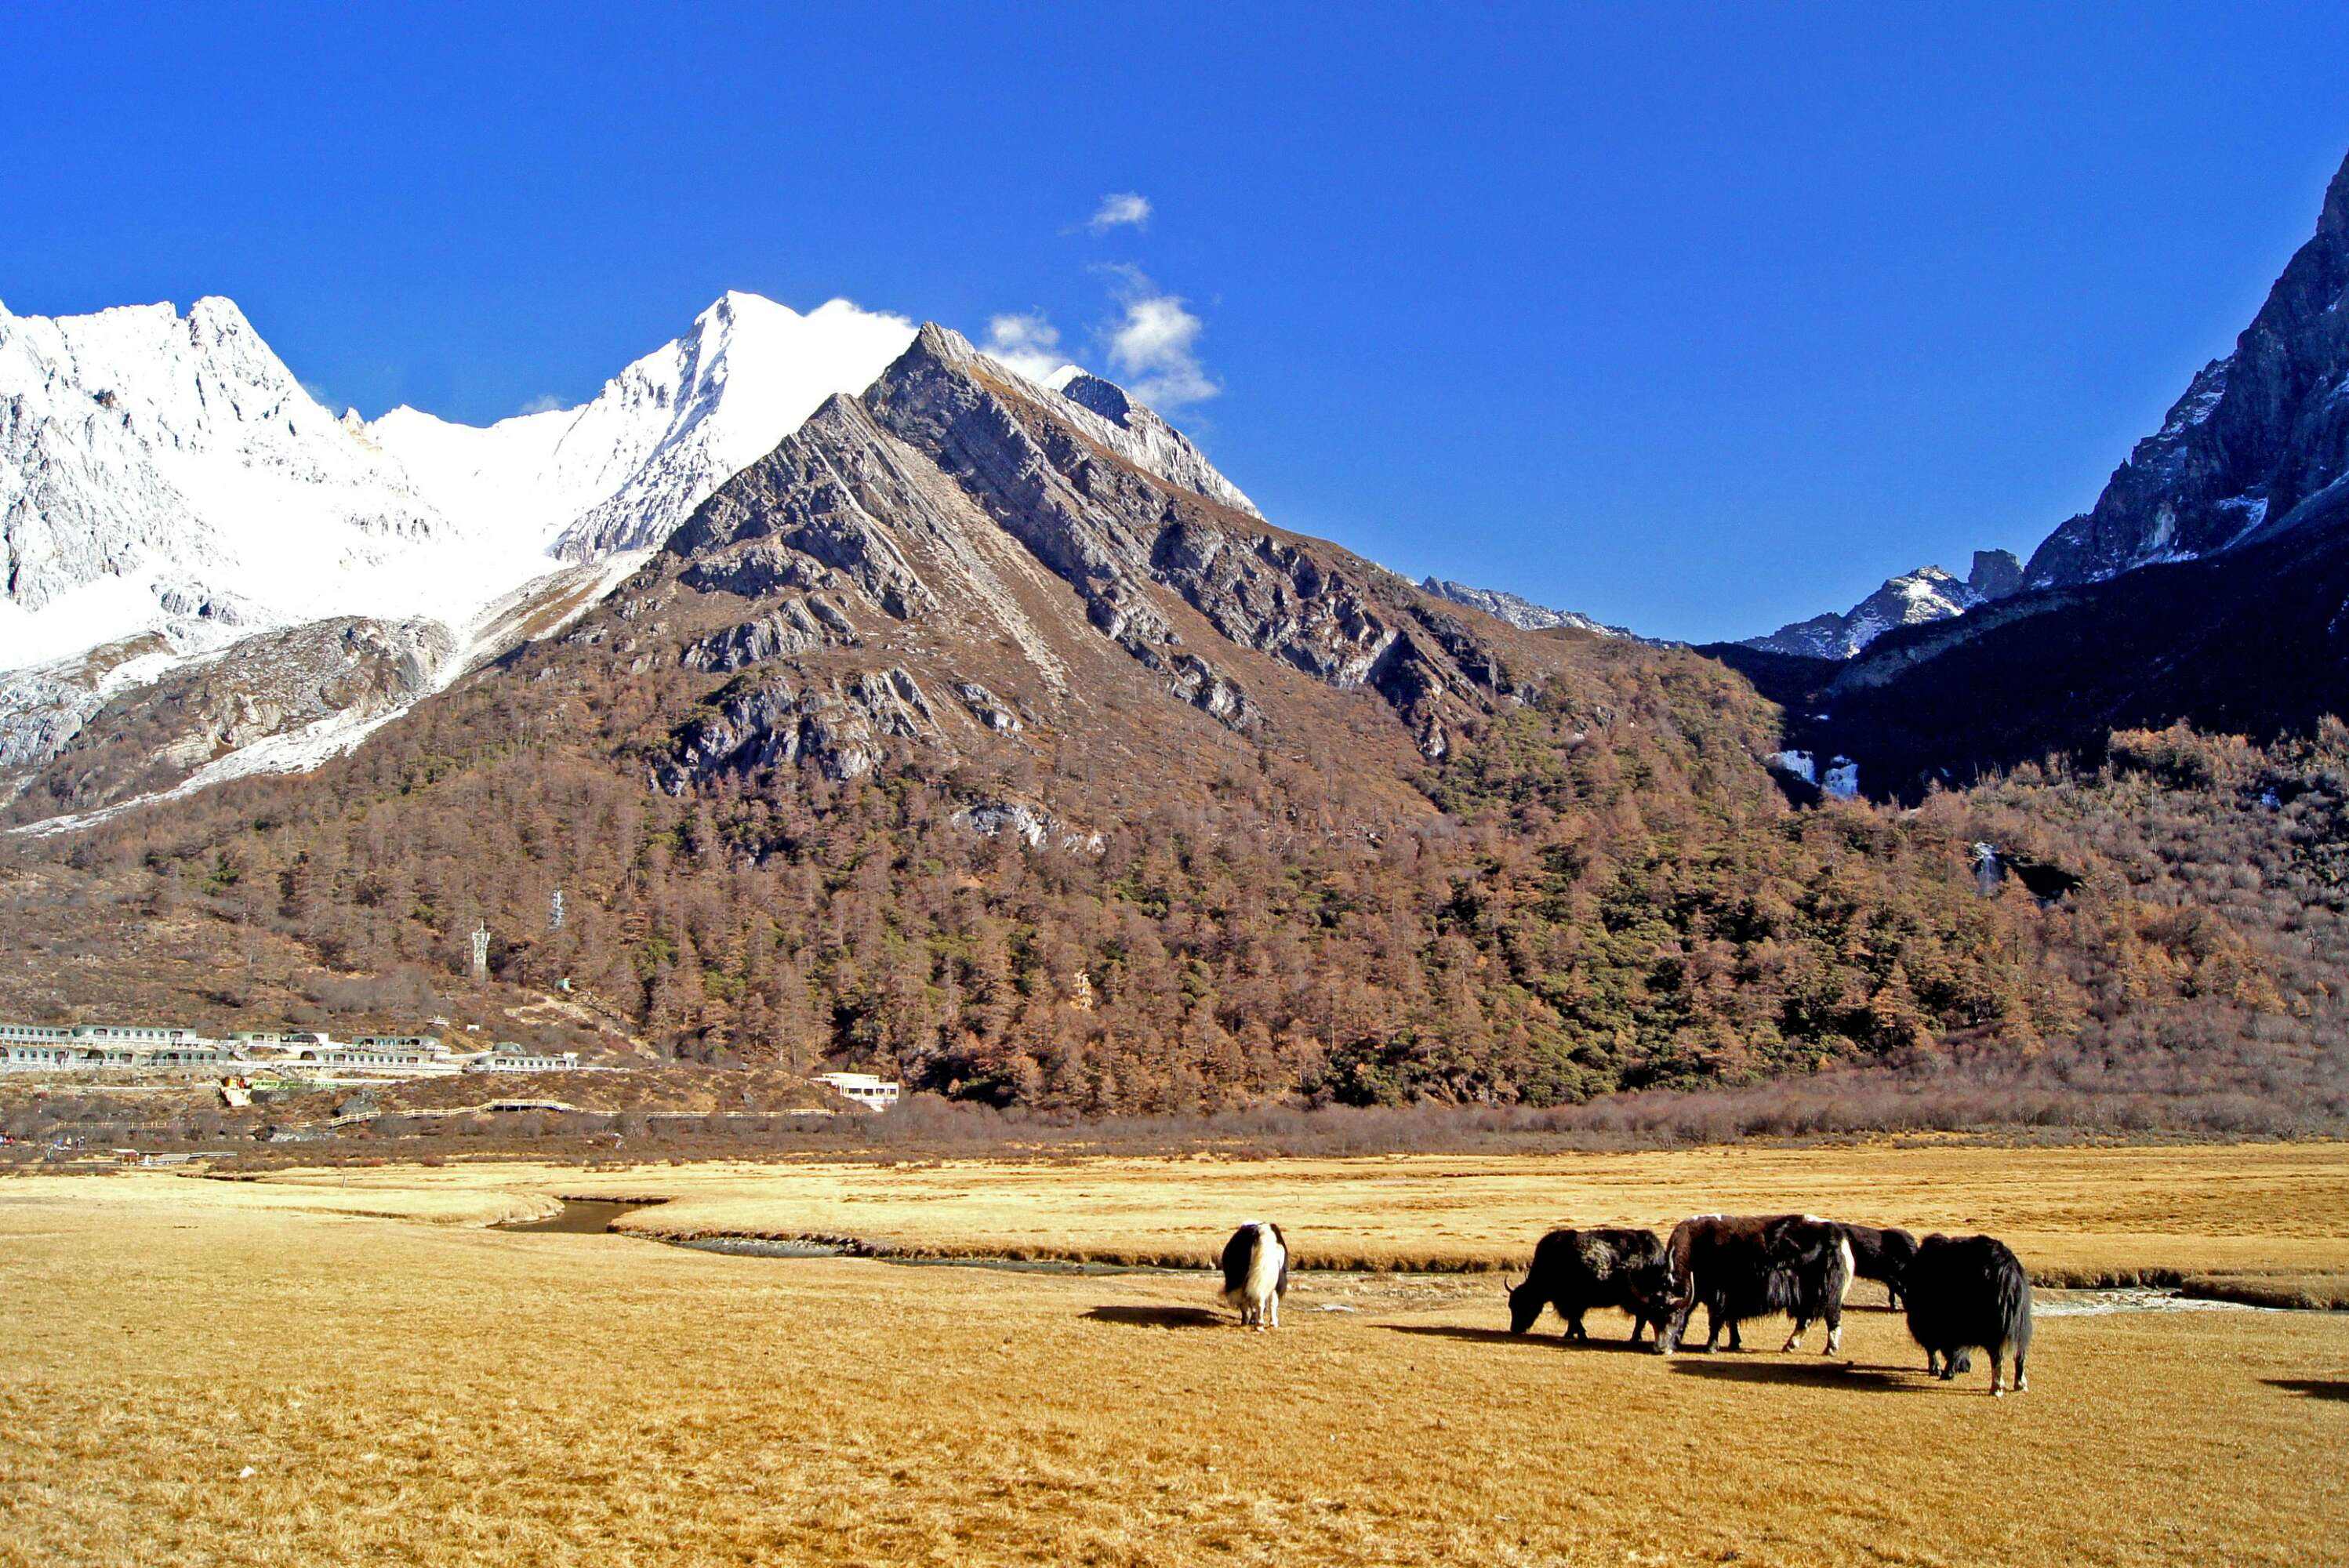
866, 1091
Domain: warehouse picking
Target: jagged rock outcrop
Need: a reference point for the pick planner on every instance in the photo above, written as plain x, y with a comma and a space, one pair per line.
768, 720
985, 707
1517, 610
793, 626
2258, 444
1914, 599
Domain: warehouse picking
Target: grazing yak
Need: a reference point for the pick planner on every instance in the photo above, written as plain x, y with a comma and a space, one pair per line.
1880, 1255
1751, 1266
1575, 1271
1256, 1273
1964, 1292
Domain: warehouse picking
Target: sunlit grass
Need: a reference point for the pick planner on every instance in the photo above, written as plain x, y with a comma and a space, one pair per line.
439, 1394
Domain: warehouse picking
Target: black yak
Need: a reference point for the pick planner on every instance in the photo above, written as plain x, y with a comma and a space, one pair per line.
1256, 1273
1880, 1255
1575, 1271
1964, 1292
1751, 1266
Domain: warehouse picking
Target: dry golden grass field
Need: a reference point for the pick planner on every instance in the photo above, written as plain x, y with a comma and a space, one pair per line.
325, 1368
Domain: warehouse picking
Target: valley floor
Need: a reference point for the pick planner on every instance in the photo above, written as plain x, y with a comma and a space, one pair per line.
347, 1367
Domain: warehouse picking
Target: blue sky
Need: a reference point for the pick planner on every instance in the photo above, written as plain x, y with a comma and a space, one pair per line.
1697, 318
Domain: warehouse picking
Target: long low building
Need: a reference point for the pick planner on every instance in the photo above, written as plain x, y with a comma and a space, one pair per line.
83, 1047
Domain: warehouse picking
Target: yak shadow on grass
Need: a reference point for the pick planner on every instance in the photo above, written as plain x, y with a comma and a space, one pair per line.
1502, 1337
1814, 1373
1159, 1316
2314, 1388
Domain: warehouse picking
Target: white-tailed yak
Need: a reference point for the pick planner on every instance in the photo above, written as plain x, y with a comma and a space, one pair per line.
1256, 1273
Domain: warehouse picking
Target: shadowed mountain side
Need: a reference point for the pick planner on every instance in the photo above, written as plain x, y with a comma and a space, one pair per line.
2253, 641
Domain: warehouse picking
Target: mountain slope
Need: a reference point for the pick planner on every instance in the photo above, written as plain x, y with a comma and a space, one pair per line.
2252, 448
958, 738
2254, 640
956, 505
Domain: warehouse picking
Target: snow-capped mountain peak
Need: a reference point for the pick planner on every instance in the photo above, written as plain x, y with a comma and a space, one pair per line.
1911, 599
139, 448
621, 471
167, 487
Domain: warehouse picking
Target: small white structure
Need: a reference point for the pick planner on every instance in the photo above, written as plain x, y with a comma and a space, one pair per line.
863, 1090
505, 1057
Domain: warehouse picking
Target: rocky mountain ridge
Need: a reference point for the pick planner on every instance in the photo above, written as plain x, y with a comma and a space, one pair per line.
1518, 610
1913, 599
961, 555
2259, 444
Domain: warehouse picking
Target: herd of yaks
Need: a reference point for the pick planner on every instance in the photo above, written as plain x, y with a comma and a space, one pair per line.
1962, 1294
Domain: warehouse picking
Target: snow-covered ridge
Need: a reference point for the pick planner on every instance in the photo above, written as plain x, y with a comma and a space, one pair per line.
623, 469
147, 456
169, 474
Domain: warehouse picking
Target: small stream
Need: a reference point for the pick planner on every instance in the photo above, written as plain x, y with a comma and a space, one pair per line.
582, 1216
2137, 1298
764, 1247
595, 1216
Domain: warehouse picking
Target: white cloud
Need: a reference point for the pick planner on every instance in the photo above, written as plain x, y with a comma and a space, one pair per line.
544, 403
1027, 343
1154, 348
1119, 207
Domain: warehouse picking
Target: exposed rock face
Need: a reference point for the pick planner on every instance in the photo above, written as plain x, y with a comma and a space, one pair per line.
768, 720
277, 685
1149, 442
794, 626
1915, 599
2257, 444
958, 515
1516, 610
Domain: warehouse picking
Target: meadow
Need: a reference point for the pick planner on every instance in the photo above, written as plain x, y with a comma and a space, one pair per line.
348, 1366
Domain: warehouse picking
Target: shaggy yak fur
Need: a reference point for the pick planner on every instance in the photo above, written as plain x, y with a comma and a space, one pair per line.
1745, 1266
1575, 1271
1880, 1255
1967, 1292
